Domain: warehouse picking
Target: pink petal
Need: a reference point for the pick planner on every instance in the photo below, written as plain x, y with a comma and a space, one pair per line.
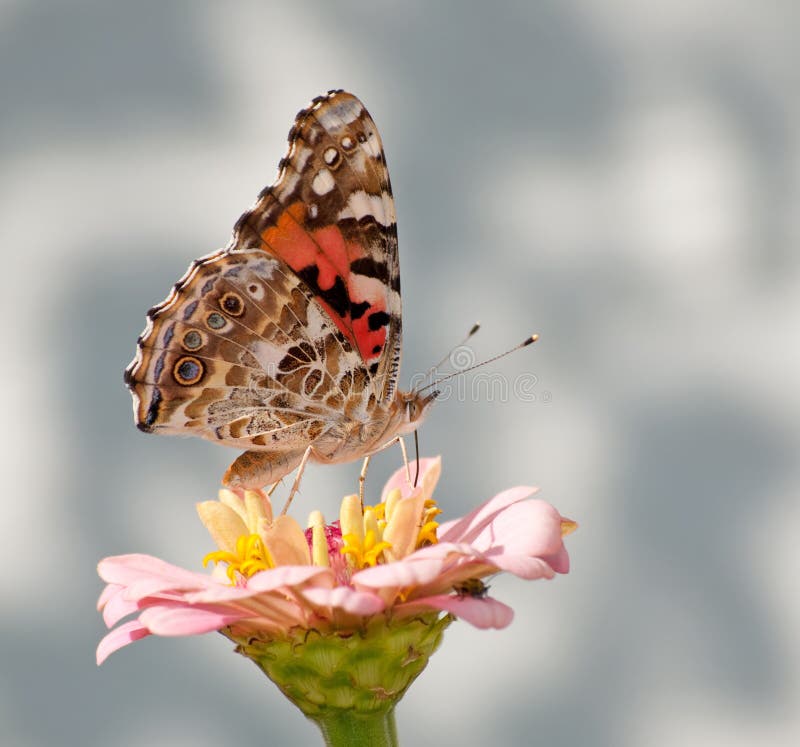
109, 591
344, 598
559, 561
526, 528
219, 593
288, 576
444, 551
148, 587
468, 527
482, 613
127, 570
116, 608
523, 566
399, 479
174, 619
406, 572
274, 579
122, 636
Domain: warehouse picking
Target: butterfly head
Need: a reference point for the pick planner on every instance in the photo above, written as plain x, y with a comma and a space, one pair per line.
415, 407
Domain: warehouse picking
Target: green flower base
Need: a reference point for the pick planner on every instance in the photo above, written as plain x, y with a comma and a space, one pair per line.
349, 683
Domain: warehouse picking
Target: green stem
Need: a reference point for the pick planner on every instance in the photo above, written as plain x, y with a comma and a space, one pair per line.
349, 728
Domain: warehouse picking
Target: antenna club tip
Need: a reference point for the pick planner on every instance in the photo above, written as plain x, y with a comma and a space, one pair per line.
530, 340
475, 328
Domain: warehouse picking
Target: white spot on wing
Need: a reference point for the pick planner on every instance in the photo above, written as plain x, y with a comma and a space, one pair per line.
333, 115
289, 182
323, 182
316, 323
302, 158
364, 288
256, 290
372, 146
267, 355
361, 203
264, 268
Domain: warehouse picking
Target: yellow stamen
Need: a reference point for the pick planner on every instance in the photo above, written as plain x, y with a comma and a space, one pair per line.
363, 553
379, 510
427, 535
387, 531
373, 547
249, 557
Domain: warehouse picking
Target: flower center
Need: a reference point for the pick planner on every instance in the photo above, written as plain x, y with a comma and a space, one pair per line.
382, 533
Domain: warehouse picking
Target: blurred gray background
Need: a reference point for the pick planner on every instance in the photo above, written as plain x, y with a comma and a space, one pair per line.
622, 178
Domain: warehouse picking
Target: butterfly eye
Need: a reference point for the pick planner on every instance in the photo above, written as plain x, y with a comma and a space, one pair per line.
231, 303
192, 340
187, 371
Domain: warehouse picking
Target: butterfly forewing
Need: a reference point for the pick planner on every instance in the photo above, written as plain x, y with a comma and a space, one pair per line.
330, 216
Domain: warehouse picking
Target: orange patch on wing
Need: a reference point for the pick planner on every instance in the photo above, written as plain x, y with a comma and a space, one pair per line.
324, 248
331, 242
327, 250
290, 241
369, 340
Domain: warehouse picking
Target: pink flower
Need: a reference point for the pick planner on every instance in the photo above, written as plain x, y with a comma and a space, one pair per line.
391, 560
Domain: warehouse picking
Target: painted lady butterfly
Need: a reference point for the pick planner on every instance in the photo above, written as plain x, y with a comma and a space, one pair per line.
287, 342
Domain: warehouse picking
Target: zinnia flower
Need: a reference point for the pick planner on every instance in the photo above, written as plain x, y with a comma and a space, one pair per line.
343, 616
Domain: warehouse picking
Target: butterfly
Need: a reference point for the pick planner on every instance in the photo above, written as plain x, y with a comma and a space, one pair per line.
287, 342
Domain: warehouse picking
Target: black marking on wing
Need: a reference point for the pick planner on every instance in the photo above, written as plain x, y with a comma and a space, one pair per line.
152, 412
377, 319
357, 310
335, 296
371, 268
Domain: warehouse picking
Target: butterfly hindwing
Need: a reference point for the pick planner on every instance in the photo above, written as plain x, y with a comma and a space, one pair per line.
238, 352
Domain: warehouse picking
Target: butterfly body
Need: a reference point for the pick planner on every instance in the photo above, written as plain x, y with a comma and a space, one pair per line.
289, 339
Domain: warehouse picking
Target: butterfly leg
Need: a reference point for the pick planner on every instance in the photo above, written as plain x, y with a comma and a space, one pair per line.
405, 461
297, 478
362, 479
399, 440
254, 469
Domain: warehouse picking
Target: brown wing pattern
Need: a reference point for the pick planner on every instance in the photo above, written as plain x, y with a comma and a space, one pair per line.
239, 354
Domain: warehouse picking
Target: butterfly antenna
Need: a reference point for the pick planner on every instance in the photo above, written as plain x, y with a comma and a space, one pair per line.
527, 341
475, 327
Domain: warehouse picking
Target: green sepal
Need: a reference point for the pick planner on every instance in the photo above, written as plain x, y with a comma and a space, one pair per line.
360, 672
